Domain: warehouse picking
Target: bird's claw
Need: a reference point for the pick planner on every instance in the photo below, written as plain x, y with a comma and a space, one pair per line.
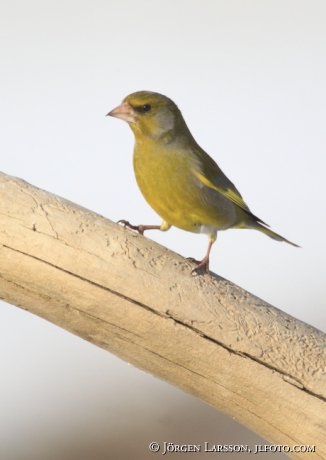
201, 264
138, 228
195, 261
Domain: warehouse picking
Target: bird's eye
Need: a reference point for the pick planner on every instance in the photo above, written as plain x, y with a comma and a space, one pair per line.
145, 108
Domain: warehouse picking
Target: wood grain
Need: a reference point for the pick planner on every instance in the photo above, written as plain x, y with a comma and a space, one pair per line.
136, 299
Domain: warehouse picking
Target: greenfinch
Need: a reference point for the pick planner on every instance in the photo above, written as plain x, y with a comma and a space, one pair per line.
177, 178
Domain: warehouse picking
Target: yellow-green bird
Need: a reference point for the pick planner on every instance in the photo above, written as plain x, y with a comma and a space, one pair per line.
178, 179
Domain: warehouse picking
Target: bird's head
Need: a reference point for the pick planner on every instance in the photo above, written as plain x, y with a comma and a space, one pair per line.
150, 114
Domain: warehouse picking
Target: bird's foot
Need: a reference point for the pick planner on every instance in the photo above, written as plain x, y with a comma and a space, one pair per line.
139, 228
201, 264
195, 261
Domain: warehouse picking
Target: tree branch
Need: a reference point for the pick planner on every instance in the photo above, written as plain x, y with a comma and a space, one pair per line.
136, 299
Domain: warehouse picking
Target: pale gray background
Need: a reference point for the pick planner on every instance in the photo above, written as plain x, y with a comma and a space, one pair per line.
249, 77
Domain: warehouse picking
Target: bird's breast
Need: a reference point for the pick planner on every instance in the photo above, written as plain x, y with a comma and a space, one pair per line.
166, 180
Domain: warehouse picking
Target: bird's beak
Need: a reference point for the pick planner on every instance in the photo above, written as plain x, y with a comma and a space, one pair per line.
125, 112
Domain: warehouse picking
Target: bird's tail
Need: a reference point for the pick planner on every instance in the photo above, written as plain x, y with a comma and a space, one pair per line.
272, 234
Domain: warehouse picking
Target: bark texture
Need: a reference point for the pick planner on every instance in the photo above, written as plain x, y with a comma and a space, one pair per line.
135, 298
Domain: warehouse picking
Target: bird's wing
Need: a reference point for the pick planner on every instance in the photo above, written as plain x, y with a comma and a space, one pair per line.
213, 177
228, 190
209, 174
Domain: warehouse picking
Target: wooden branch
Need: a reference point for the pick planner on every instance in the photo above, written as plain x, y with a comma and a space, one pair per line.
136, 299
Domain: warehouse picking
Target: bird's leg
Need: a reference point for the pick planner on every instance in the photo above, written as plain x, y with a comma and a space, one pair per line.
141, 228
205, 262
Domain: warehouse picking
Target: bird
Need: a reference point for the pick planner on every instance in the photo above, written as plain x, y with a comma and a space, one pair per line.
177, 178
